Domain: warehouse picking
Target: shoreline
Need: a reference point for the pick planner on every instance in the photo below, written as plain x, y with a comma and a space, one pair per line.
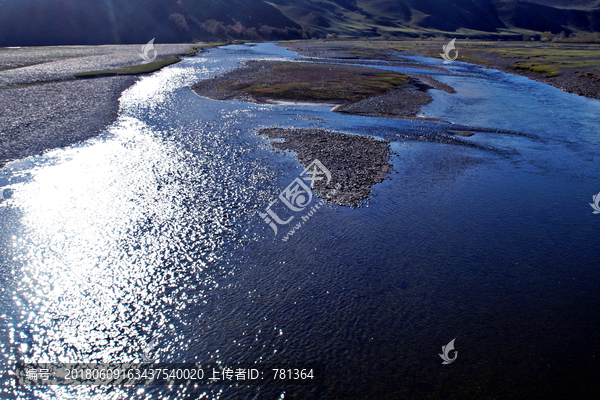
46, 107
570, 83
42, 117
491, 55
55, 97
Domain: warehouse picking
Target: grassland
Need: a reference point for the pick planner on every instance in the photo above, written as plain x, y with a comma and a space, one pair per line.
545, 58
320, 82
574, 67
352, 89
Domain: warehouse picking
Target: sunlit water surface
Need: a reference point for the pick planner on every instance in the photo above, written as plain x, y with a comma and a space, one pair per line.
150, 232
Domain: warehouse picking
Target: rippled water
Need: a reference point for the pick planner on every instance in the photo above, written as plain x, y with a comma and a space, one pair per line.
151, 232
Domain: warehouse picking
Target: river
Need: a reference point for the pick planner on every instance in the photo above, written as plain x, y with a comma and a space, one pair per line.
150, 233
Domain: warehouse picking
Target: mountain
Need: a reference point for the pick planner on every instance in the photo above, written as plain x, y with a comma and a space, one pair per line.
575, 4
413, 18
65, 22
532, 15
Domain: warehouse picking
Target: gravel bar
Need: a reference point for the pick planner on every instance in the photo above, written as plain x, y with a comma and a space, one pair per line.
356, 162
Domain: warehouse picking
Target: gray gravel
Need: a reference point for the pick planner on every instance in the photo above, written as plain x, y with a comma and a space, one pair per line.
405, 102
43, 64
356, 162
43, 106
50, 115
567, 81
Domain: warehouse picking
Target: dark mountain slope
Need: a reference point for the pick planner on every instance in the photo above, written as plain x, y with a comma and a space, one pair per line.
576, 4
450, 15
411, 17
54, 22
536, 17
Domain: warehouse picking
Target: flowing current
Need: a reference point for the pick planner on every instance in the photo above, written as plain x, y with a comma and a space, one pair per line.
148, 238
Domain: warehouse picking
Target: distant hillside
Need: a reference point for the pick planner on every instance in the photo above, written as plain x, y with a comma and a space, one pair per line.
460, 18
64, 22
53, 22
576, 4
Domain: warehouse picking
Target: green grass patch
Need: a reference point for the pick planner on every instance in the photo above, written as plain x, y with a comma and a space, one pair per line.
195, 49
524, 67
469, 59
191, 52
133, 70
540, 69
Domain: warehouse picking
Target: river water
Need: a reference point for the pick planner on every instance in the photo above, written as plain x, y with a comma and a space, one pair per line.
150, 233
